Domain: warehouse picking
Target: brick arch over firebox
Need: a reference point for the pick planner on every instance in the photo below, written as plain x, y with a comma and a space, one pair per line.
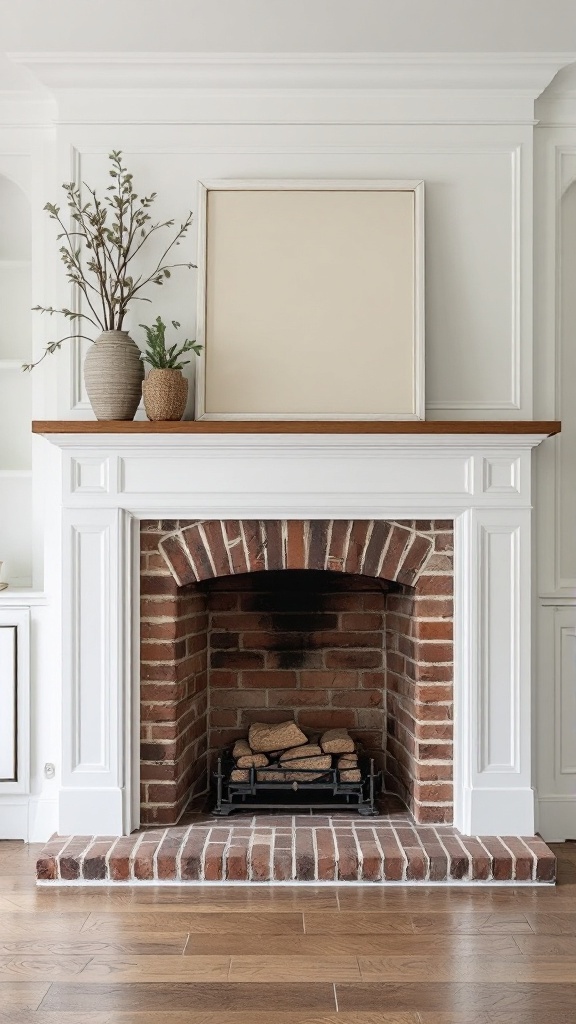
380, 549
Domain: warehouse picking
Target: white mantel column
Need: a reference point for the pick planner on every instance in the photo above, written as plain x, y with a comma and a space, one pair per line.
493, 673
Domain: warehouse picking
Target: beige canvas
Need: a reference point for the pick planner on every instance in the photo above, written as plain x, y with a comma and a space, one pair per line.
310, 303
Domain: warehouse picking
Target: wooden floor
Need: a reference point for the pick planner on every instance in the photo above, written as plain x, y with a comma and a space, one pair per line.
289, 955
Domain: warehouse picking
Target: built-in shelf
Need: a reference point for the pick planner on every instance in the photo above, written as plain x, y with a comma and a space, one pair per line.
22, 597
10, 364
297, 427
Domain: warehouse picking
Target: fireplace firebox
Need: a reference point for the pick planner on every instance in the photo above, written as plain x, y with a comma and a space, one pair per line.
338, 623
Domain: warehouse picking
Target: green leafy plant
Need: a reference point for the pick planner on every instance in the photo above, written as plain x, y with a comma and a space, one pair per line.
158, 356
100, 243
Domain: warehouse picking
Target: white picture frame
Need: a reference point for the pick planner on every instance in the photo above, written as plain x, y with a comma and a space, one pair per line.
288, 270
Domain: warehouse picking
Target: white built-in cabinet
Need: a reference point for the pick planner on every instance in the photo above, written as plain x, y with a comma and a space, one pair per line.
15, 386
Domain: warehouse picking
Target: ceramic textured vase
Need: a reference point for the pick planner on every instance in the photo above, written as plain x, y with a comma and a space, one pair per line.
113, 374
165, 394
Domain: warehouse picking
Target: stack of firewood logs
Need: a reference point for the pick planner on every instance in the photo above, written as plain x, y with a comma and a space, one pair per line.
288, 755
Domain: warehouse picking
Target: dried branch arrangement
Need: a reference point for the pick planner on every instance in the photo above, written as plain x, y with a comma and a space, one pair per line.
99, 246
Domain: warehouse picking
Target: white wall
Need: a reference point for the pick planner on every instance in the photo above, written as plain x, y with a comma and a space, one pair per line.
465, 126
289, 25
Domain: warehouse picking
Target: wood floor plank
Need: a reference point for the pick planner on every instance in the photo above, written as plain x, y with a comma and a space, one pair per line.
547, 945
467, 923
165, 996
208, 1017
25, 996
357, 923
156, 968
468, 968
263, 968
260, 924
158, 944
353, 944
171, 900
552, 924
25, 926
41, 968
461, 997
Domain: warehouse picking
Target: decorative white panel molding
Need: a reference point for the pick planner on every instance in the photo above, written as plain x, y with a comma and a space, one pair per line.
565, 678
90, 599
90, 475
498, 646
556, 705
8, 693
96, 670
14, 702
501, 475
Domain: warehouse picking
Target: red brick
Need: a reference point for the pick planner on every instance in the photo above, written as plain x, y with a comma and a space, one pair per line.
356, 545
436, 584
265, 679
326, 855
233, 542
353, 659
317, 543
304, 852
348, 861
336, 549
375, 547
214, 533
192, 854
295, 553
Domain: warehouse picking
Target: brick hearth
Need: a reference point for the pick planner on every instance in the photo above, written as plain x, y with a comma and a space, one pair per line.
332, 622
304, 848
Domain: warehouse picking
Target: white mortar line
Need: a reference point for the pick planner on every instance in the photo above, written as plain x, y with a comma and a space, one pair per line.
360, 854
67, 843
203, 855
178, 860
369, 533
404, 857
132, 856
382, 856
207, 548
156, 852
315, 849
244, 544
82, 855
513, 858
328, 541
226, 547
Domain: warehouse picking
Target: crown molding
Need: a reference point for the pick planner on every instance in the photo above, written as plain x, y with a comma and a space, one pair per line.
520, 73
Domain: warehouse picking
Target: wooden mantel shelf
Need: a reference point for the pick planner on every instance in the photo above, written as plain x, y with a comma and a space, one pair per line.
548, 427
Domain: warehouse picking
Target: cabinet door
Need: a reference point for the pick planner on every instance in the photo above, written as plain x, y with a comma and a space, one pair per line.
8, 703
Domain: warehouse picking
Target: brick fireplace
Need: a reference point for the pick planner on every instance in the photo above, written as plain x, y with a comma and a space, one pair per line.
455, 727
333, 622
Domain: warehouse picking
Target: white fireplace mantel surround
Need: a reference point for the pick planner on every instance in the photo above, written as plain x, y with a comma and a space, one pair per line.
112, 481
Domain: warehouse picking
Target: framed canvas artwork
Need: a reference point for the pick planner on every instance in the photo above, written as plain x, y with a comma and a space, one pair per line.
311, 300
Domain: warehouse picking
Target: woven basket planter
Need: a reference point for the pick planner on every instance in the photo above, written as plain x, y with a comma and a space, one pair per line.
113, 374
165, 394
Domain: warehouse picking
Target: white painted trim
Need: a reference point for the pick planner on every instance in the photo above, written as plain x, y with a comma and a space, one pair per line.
516, 72
557, 817
316, 185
